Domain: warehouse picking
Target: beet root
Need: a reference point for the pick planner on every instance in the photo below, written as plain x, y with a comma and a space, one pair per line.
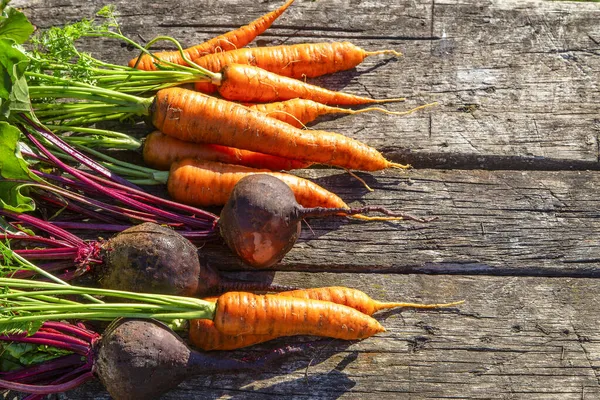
142, 359
150, 258
260, 221
154, 259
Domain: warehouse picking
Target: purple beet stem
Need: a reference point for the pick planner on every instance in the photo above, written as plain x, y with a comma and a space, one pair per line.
118, 195
61, 362
45, 226
60, 335
82, 158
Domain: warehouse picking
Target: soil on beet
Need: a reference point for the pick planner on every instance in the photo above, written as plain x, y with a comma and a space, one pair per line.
150, 258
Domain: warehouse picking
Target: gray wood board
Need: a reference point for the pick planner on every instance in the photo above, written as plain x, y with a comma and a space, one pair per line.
489, 222
517, 86
511, 78
513, 338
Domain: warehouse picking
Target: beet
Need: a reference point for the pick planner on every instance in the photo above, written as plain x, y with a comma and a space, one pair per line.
153, 259
150, 258
261, 220
142, 359
134, 359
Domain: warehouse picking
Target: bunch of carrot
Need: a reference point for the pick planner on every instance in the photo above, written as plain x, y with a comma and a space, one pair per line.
264, 131
337, 312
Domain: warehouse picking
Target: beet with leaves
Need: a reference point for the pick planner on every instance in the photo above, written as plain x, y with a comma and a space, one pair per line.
134, 359
144, 258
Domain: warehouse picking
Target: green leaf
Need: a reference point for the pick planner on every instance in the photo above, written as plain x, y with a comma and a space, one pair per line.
13, 167
12, 163
13, 197
15, 355
8, 327
9, 363
14, 93
42, 353
14, 25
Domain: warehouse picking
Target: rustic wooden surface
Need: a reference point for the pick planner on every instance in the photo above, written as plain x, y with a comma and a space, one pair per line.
508, 161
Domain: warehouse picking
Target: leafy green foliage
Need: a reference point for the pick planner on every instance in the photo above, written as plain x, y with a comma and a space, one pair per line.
13, 24
13, 167
10, 327
18, 355
14, 93
57, 44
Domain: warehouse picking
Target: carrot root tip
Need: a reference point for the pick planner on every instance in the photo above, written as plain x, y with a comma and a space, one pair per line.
392, 100
380, 218
387, 51
399, 166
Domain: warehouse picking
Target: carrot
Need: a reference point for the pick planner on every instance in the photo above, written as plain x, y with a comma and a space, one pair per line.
248, 83
206, 183
229, 41
195, 117
204, 335
161, 150
299, 112
209, 183
241, 313
356, 299
306, 60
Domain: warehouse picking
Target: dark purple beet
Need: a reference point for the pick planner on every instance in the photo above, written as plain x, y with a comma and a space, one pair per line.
142, 359
151, 258
260, 221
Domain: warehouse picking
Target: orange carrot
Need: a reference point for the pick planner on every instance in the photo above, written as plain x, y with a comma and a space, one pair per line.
299, 112
306, 60
229, 41
195, 117
161, 150
248, 83
204, 335
210, 183
356, 299
241, 313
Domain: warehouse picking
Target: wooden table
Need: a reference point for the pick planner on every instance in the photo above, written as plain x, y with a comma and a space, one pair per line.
508, 161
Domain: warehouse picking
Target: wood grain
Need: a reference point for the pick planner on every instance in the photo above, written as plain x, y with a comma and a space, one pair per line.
508, 161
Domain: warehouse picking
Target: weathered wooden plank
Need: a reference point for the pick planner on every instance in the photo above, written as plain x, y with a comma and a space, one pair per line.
497, 223
512, 78
513, 338
517, 83
490, 222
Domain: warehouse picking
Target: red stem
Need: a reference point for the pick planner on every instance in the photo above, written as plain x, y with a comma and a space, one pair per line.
75, 348
65, 253
31, 238
49, 267
82, 158
47, 227
47, 389
115, 194
61, 362
86, 334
